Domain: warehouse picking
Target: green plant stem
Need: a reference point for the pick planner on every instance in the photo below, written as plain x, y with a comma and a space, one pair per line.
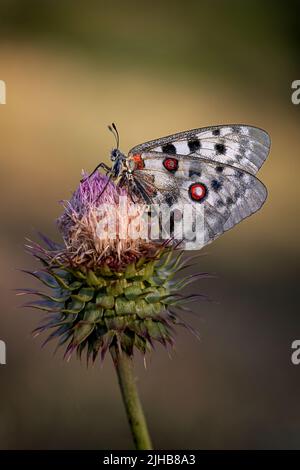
124, 367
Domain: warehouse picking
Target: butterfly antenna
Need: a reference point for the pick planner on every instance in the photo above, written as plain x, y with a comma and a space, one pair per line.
117, 134
113, 129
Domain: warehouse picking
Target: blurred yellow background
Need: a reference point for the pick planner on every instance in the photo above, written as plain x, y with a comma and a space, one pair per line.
70, 69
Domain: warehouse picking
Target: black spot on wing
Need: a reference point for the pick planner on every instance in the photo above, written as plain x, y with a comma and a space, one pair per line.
194, 145
194, 173
216, 132
169, 148
169, 200
219, 169
220, 149
216, 185
229, 201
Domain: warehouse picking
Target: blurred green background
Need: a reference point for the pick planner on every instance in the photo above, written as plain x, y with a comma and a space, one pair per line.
155, 68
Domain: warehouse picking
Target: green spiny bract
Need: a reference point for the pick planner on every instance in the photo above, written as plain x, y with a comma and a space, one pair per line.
91, 310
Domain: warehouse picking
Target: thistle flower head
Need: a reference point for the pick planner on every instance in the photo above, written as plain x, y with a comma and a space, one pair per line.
107, 291
97, 226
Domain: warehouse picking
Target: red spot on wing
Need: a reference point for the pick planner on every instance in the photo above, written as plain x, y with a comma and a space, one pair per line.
197, 191
139, 162
171, 164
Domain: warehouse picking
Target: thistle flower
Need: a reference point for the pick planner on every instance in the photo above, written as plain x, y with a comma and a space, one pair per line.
88, 243
109, 293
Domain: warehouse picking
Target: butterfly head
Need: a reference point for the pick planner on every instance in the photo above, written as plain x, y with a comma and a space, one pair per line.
115, 154
118, 159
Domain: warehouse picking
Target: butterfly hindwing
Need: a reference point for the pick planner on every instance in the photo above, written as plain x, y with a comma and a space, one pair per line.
225, 194
245, 147
231, 196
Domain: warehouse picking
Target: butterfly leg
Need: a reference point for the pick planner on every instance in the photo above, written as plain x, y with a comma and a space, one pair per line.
107, 183
101, 165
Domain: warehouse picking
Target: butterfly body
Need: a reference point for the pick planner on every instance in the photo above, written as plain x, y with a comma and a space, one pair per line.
213, 168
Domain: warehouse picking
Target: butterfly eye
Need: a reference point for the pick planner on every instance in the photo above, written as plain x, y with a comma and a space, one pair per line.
113, 154
197, 191
170, 164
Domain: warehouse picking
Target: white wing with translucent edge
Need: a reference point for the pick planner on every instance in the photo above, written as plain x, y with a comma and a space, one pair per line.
231, 194
237, 145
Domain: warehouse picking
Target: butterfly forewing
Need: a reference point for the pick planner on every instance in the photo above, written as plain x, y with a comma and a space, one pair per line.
244, 147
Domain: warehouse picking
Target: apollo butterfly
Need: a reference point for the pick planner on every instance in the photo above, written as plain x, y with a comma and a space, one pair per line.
213, 168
